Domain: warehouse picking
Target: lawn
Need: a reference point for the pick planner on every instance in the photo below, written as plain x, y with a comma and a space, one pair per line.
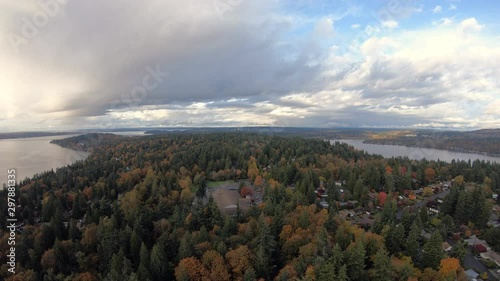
214, 184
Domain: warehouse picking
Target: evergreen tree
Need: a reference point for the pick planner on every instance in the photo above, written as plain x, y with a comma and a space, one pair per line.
463, 208
73, 233
424, 215
342, 275
158, 262
185, 248
356, 262
450, 201
382, 269
143, 272
411, 244
433, 251
389, 183
407, 220
135, 247
250, 275
395, 239
459, 250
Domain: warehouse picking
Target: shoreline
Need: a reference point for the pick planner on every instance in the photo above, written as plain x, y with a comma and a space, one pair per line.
368, 141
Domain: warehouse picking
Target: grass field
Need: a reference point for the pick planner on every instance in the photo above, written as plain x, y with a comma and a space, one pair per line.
214, 184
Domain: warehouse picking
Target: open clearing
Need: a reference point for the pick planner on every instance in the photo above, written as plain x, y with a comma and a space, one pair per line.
226, 195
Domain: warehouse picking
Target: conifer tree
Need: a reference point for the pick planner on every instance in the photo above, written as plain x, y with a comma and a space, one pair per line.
433, 251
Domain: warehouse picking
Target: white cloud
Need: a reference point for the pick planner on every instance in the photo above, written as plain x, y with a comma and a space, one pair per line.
324, 28
452, 7
444, 21
437, 9
469, 25
355, 26
390, 24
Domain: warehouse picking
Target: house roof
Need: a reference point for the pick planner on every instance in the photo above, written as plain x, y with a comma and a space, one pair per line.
446, 246
471, 273
492, 256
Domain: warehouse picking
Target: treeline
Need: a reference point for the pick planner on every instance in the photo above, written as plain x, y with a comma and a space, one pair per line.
481, 141
130, 212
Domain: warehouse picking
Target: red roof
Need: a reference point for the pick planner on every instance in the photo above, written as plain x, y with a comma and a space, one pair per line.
480, 248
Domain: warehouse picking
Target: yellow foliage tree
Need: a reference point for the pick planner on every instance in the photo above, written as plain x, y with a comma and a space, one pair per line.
214, 262
449, 268
239, 260
191, 269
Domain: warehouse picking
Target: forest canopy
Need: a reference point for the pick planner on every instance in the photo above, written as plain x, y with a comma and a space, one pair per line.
137, 209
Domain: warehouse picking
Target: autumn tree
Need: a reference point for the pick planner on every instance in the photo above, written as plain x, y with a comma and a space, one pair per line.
449, 268
190, 269
430, 174
239, 261
246, 191
215, 265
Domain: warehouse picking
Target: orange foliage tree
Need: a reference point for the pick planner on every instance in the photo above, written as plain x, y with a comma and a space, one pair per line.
259, 181
246, 191
239, 260
449, 268
430, 174
381, 198
216, 266
191, 269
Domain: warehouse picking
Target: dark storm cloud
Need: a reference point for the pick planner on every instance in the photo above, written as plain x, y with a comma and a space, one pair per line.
110, 44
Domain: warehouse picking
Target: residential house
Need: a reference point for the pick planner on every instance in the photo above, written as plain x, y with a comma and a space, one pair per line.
471, 275
491, 255
446, 247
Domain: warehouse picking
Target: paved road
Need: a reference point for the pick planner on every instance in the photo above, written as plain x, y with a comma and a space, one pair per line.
471, 262
422, 202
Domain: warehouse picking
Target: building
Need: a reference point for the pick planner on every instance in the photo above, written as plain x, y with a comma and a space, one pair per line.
446, 247
471, 275
491, 255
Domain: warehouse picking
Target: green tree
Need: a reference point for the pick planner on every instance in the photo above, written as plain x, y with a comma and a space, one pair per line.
389, 183
424, 214
382, 269
186, 246
143, 270
395, 239
433, 251
158, 262
342, 275
411, 244
459, 250
358, 189
356, 261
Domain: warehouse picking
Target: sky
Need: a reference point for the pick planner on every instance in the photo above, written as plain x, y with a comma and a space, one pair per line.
68, 64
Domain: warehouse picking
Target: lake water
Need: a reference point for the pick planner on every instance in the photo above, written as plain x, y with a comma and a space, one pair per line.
34, 155
416, 153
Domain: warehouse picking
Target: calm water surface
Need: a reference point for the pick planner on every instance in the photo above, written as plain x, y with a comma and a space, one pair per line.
34, 155
416, 153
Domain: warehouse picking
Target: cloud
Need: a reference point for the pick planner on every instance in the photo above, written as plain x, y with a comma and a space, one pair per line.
88, 61
444, 21
469, 25
324, 28
171, 63
390, 24
452, 7
437, 9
